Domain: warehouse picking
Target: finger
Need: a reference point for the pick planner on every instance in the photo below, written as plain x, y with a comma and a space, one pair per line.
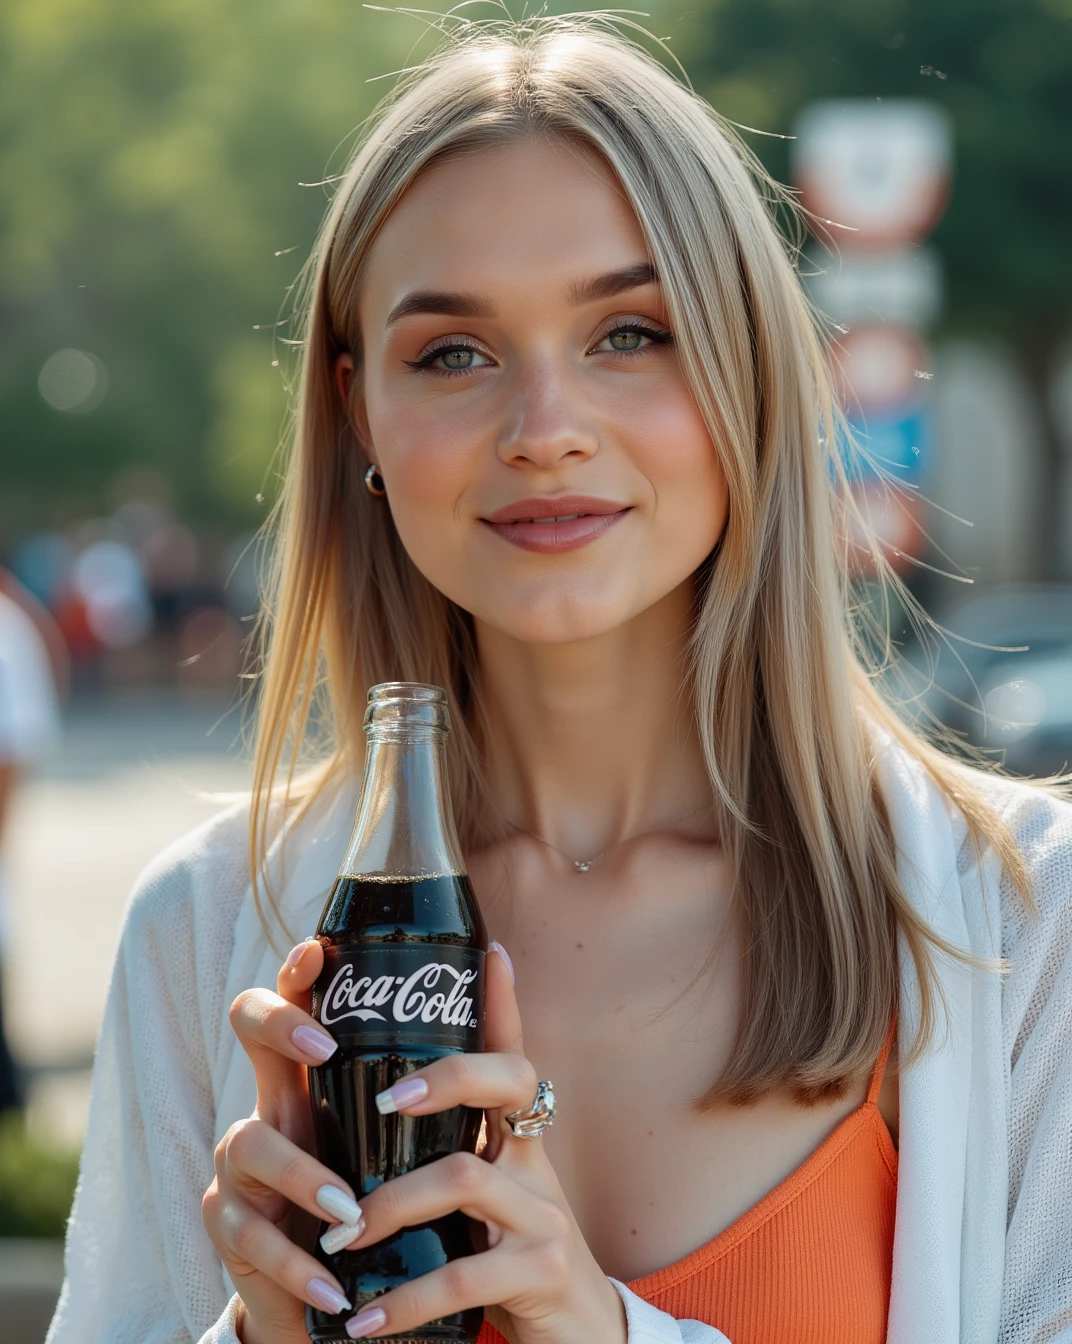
281, 1041
266, 1021
246, 1242
254, 1157
297, 974
280, 1037
460, 1181
472, 1281
485, 1082
502, 1021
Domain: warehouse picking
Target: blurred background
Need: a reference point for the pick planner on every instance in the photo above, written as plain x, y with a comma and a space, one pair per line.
162, 170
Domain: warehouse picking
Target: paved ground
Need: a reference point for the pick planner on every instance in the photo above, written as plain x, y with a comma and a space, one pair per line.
31, 1273
133, 774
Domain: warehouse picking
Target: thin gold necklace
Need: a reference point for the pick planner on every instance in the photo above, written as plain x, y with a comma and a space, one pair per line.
583, 865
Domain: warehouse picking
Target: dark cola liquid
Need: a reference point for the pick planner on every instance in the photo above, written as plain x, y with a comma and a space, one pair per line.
402, 985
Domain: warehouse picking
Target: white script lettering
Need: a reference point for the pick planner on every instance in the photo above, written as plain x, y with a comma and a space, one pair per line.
363, 997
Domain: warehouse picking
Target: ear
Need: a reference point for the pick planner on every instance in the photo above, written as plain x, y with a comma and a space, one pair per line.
344, 375
344, 382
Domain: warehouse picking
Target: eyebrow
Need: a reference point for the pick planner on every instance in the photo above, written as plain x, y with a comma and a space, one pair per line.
453, 304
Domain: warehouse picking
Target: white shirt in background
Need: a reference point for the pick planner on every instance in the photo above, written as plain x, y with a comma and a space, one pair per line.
29, 705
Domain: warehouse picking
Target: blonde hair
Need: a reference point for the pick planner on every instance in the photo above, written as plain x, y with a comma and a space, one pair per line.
785, 708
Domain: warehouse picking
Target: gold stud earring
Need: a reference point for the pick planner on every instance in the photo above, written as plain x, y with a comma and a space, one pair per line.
374, 482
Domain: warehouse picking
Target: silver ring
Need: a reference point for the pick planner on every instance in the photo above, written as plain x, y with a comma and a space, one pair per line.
531, 1121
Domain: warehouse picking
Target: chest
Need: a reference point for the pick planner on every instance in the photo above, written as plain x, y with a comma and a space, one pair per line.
629, 1005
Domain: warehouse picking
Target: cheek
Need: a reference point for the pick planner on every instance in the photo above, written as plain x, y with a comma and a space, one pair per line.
428, 477
686, 473
425, 485
420, 453
427, 465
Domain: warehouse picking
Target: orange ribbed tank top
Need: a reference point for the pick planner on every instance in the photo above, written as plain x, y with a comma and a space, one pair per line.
811, 1263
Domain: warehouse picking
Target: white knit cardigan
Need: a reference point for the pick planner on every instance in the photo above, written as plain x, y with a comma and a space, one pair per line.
983, 1236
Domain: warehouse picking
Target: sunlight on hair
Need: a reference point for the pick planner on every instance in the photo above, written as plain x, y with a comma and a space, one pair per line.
792, 677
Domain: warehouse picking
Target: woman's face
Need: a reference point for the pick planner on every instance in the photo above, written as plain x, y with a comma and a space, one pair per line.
518, 370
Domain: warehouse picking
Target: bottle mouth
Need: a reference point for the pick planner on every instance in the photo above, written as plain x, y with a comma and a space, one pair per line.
401, 707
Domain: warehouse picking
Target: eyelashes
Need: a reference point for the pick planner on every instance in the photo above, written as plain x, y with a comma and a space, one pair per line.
657, 336
449, 347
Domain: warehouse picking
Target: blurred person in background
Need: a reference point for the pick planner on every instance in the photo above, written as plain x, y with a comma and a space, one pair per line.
558, 450
34, 671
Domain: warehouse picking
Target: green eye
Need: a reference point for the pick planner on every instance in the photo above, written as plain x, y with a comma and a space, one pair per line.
455, 359
625, 339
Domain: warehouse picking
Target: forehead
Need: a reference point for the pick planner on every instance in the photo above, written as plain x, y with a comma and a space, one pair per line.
536, 214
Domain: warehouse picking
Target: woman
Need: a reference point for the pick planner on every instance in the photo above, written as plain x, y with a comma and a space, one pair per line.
559, 448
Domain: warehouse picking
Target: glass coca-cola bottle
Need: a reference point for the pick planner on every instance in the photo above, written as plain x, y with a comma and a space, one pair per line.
402, 985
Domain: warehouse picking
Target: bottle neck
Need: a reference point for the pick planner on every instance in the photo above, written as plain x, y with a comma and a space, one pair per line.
404, 827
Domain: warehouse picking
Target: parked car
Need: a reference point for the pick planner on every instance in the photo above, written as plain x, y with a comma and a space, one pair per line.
1002, 676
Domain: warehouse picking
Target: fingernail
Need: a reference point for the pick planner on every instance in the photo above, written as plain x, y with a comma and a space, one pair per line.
498, 947
296, 953
338, 1204
405, 1091
314, 1042
322, 1295
342, 1234
372, 1318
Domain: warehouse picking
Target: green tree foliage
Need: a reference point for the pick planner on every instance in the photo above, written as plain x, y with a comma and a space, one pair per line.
37, 1182
151, 213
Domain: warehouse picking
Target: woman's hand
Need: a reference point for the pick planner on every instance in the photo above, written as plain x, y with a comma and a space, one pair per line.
267, 1184
537, 1276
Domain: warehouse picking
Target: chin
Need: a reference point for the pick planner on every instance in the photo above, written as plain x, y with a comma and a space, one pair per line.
555, 618
551, 634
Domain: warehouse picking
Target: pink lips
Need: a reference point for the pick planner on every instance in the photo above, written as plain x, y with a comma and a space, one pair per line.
557, 523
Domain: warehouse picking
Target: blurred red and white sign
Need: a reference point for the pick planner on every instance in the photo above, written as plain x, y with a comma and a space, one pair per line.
880, 169
875, 177
893, 519
879, 368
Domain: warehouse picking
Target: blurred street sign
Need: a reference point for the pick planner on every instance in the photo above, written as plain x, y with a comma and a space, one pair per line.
894, 521
900, 446
901, 286
880, 169
875, 175
878, 367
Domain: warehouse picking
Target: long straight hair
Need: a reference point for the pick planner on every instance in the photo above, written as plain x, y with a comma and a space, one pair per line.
785, 705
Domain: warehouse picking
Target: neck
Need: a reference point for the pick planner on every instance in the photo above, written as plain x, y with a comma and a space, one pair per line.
594, 742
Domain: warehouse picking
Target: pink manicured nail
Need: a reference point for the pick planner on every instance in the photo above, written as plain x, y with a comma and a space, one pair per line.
296, 953
498, 947
326, 1297
372, 1318
405, 1091
314, 1042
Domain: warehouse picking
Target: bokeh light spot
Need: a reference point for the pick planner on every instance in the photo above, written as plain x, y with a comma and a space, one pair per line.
73, 380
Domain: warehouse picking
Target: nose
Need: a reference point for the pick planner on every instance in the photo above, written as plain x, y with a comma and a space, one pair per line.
545, 428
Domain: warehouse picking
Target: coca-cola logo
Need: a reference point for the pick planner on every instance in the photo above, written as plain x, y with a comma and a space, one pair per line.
404, 998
